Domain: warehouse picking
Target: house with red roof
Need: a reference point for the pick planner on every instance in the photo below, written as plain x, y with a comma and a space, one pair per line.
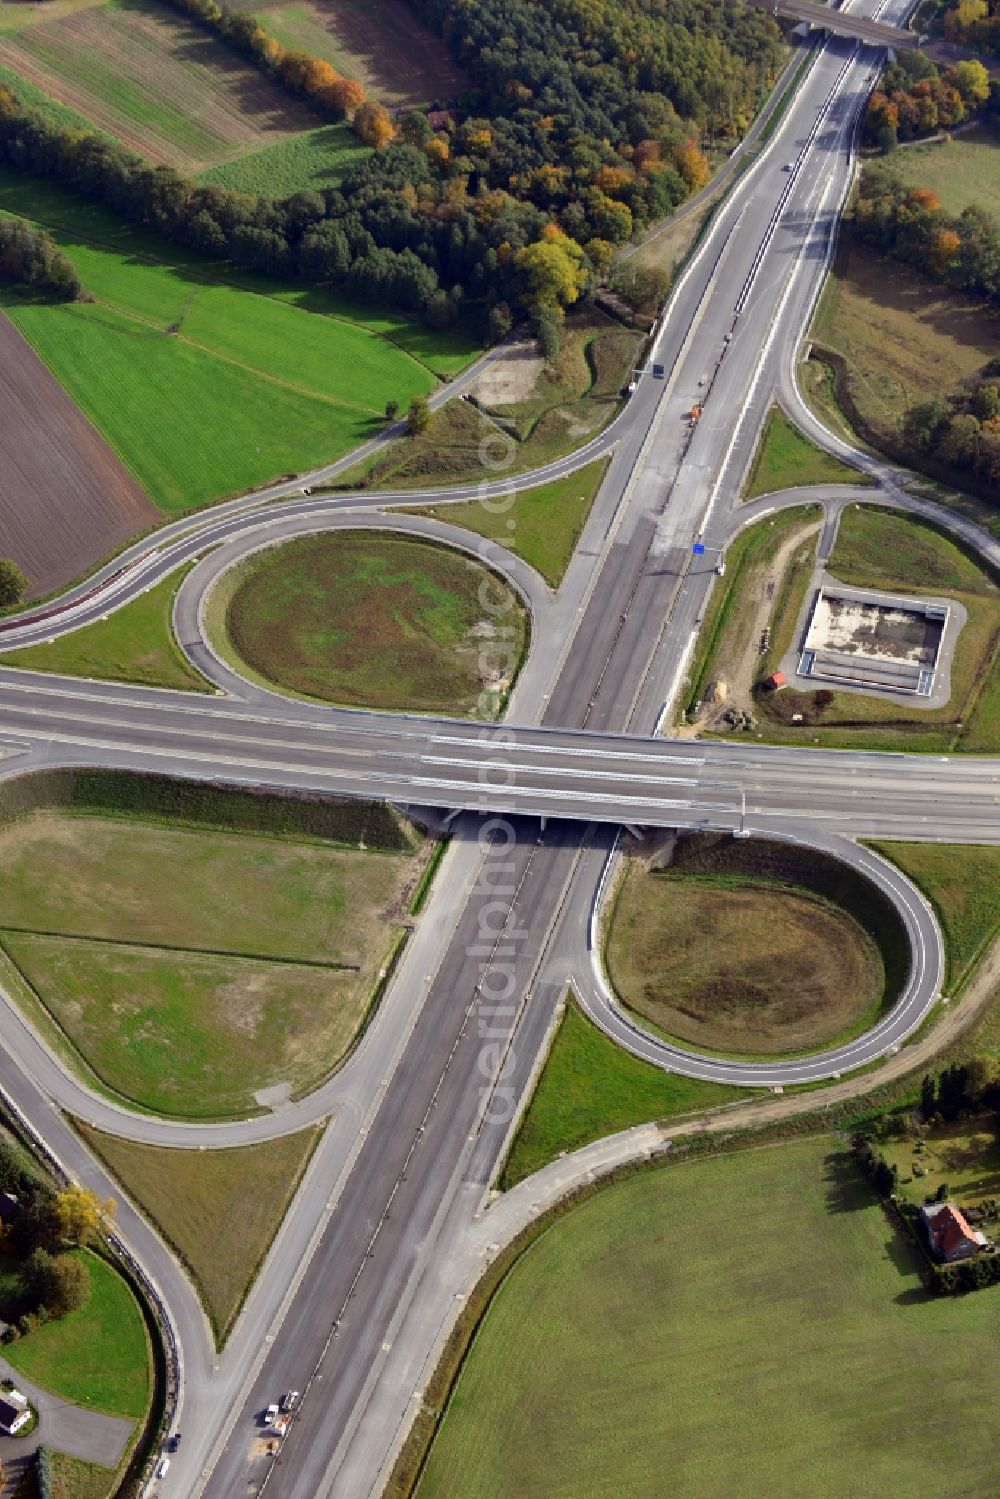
949, 1232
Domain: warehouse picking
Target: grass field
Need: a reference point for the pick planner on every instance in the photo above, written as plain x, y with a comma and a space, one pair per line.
590, 1087
72, 1478
251, 966
738, 966
570, 400
372, 620
962, 882
202, 387
188, 1194
315, 158
877, 548
97, 1356
748, 1324
135, 644
785, 457
381, 43
903, 339
906, 338
541, 525
963, 171
15, 14
157, 81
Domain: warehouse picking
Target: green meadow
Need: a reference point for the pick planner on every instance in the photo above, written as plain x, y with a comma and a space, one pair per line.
207, 385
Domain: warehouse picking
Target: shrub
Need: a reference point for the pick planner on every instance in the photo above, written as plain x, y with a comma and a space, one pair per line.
12, 583
44, 1475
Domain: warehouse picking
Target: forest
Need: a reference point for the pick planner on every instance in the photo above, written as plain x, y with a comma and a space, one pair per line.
586, 123
972, 23
915, 98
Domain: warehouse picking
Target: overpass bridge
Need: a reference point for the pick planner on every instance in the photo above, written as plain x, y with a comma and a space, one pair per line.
843, 23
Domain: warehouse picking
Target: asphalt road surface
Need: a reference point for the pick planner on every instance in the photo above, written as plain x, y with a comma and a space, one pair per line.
362, 1278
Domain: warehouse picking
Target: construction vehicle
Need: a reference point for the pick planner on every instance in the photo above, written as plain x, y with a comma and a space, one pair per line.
694, 415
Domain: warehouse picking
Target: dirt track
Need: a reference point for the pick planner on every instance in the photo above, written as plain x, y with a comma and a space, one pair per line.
65, 498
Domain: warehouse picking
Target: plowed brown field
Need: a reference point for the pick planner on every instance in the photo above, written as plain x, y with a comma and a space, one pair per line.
381, 43
65, 498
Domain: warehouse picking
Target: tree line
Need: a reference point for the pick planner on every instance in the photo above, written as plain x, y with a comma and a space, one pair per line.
961, 430
31, 257
916, 98
962, 250
308, 76
389, 234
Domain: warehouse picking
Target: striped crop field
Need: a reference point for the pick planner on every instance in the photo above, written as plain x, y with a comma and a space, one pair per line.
156, 81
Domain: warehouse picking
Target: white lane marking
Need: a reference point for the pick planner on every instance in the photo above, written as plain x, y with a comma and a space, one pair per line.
139, 731
490, 793
565, 772
528, 748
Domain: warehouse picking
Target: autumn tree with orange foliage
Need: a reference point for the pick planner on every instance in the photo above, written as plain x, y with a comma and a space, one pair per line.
344, 96
944, 251
307, 74
372, 124
692, 163
925, 199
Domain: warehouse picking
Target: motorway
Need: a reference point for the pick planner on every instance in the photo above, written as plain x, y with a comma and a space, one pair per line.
360, 1285
516, 769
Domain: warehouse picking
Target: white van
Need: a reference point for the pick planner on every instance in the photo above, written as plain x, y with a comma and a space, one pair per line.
164, 1464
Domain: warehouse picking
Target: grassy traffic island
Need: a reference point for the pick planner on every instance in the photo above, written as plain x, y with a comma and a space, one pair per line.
785, 457
590, 1087
542, 524
187, 1194
759, 948
134, 644
373, 620
697, 1320
187, 948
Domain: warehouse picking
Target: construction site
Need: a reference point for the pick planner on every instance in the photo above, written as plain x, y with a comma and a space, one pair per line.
860, 639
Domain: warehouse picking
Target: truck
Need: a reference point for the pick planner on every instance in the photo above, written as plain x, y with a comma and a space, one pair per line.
694, 415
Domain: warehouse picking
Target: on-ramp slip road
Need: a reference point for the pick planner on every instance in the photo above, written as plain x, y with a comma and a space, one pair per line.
420, 1116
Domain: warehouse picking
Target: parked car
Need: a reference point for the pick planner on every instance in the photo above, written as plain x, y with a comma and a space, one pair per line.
175, 1442
290, 1401
162, 1466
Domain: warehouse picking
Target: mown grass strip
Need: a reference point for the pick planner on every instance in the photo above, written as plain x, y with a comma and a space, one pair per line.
188, 1194
134, 644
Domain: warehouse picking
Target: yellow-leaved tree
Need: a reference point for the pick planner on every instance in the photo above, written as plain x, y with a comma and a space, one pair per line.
79, 1214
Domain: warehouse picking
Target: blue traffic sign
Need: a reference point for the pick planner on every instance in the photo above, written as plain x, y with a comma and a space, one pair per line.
698, 549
